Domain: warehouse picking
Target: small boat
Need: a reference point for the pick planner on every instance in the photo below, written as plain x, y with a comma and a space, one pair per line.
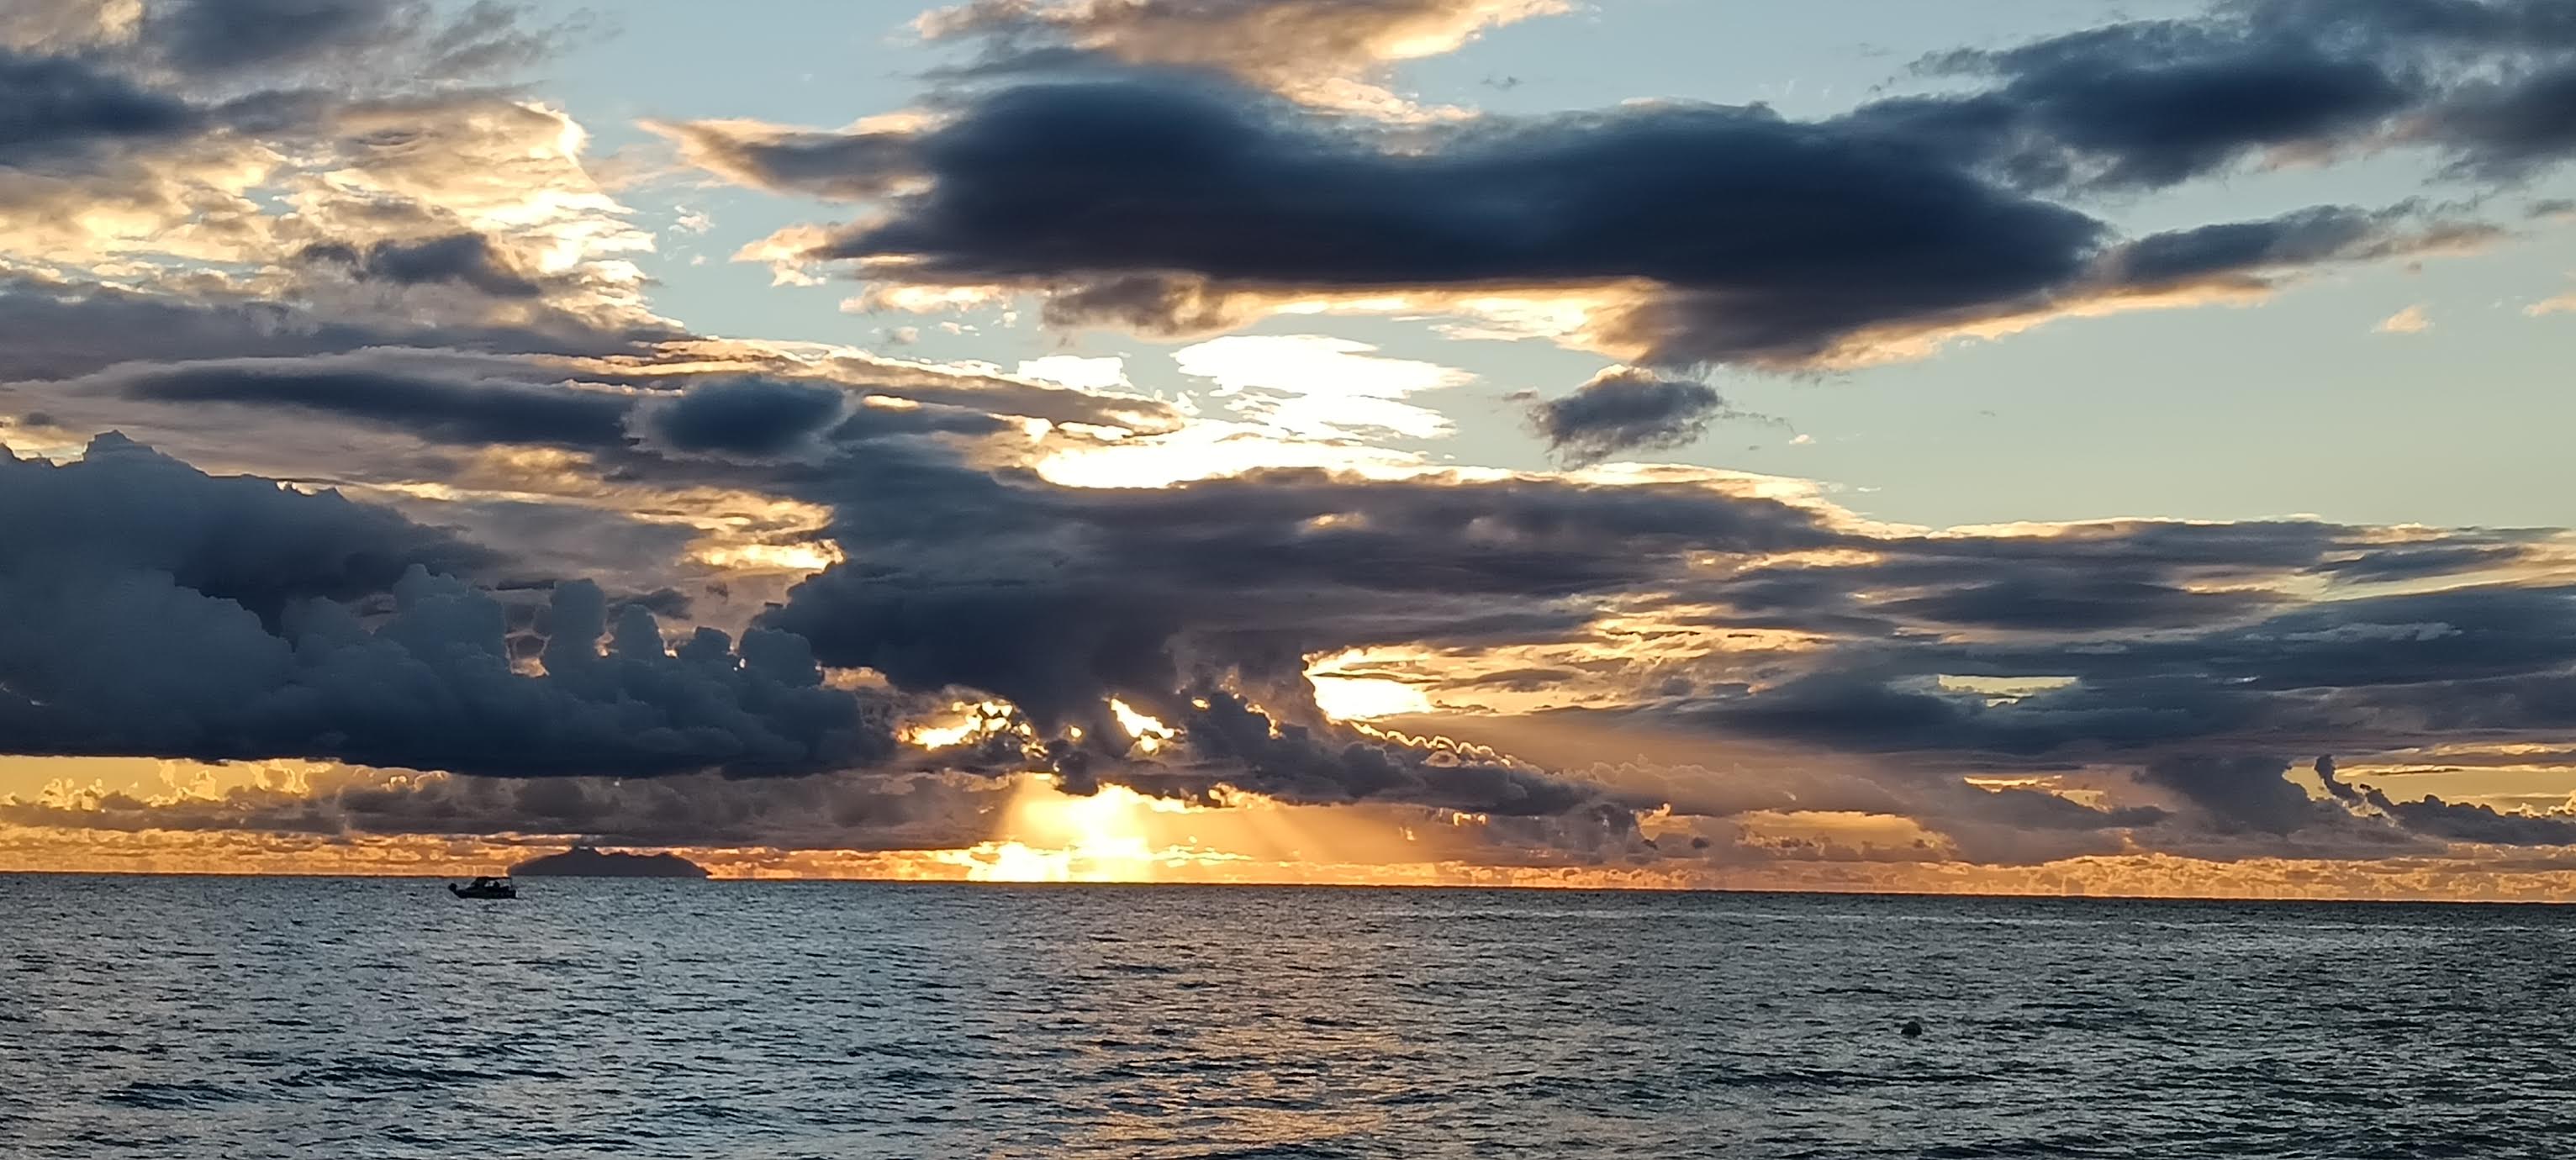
484, 888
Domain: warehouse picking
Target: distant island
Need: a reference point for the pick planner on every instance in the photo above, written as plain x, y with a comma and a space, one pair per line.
592, 862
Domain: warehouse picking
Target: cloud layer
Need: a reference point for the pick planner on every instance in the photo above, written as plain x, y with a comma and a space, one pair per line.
462, 502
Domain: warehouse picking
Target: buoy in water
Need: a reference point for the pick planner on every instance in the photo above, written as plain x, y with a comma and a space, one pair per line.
1913, 1029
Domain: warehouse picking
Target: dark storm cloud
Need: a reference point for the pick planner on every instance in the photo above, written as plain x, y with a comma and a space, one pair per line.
1994, 825
61, 331
1777, 238
468, 400
1866, 704
467, 259
126, 509
2076, 603
2242, 791
748, 417
870, 811
209, 119
2144, 104
2159, 638
1622, 410
2452, 821
1325, 763
764, 418
263, 632
51, 105
2378, 672
2304, 238
2082, 579
2507, 129
147, 609
259, 38
2151, 105
1058, 598
450, 409
176, 76
1172, 203
2406, 563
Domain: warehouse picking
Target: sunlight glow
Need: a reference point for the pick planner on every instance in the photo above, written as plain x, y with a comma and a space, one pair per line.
1107, 836
968, 722
1151, 735
1348, 695
806, 557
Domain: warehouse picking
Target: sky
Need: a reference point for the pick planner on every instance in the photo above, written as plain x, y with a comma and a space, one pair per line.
1857, 445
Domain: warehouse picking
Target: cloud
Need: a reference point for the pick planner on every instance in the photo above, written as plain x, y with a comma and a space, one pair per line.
1175, 205
702, 407
1198, 603
456, 408
1623, 409
2511, 128
1075, 371
2452, 821
231, 236
154, 610
1315, 387
229, 38
123, 508
2412, 320
2241, 791
2152, 103
325, 156
468, 259
838, 811
60, 106
751, 417
1324, 51
1323, 763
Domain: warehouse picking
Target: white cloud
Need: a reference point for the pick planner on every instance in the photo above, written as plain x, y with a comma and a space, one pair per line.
1315, 386
2412, 320
1078, 372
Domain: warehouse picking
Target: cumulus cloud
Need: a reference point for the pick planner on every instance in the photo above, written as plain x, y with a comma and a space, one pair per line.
324, 156
1061, 598
152, 609
158, 611
423, 291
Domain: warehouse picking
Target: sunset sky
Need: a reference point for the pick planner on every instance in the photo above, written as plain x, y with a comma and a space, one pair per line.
1860, 444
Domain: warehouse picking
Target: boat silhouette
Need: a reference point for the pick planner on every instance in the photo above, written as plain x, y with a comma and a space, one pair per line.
484, 887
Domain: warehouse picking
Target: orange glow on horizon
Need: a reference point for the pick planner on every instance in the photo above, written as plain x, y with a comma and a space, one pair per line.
2461, 879
1120, 835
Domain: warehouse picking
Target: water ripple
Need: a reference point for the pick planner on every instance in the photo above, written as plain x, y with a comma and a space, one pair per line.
197, 1018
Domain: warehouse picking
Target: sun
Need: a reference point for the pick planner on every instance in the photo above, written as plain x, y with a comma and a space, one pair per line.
1113, 835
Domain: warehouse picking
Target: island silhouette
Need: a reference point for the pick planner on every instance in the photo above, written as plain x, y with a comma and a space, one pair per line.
593, 862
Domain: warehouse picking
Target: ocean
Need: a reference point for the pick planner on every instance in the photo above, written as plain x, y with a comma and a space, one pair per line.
219, 1017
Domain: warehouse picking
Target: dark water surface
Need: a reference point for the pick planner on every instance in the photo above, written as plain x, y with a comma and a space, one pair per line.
180, 1017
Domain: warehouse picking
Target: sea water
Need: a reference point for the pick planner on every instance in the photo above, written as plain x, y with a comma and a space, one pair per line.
215, 1017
